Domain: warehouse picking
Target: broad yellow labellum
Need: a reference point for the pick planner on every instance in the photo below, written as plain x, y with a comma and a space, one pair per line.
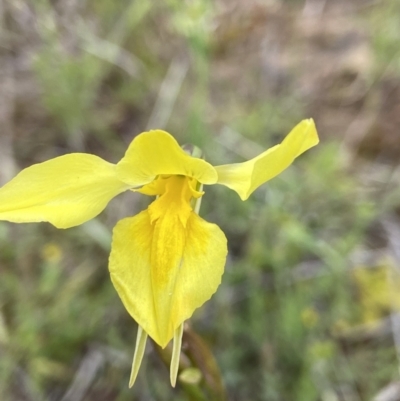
166, 261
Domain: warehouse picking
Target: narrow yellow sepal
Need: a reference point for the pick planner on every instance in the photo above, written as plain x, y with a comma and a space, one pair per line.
176, 353
140, 347
65, 191
246, 177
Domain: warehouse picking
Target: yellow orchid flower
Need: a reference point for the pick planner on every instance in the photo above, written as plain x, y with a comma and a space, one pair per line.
166, 261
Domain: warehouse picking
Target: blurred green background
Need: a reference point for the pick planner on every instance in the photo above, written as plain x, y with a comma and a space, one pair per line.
308, 307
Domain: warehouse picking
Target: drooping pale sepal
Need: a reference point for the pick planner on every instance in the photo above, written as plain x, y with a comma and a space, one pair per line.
246, 177
141, 339
176, 353
65, 191
164, 271
156, 153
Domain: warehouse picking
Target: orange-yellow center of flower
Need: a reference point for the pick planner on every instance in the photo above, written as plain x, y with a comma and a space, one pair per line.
175, 193
169, 214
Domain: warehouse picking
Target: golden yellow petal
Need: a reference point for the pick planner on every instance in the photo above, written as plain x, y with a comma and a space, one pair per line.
156, 153
245, 177
164, 271
65, 191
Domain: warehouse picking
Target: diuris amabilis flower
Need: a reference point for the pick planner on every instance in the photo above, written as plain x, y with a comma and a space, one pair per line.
166, 261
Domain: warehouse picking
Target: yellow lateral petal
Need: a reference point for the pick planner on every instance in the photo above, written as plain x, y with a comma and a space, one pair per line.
156, 152
245, 177
65, 191
160, 297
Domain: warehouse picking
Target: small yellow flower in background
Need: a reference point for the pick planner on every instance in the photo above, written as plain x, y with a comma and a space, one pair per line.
166, 261
377, 290
322, 350
309, 317
51, 252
